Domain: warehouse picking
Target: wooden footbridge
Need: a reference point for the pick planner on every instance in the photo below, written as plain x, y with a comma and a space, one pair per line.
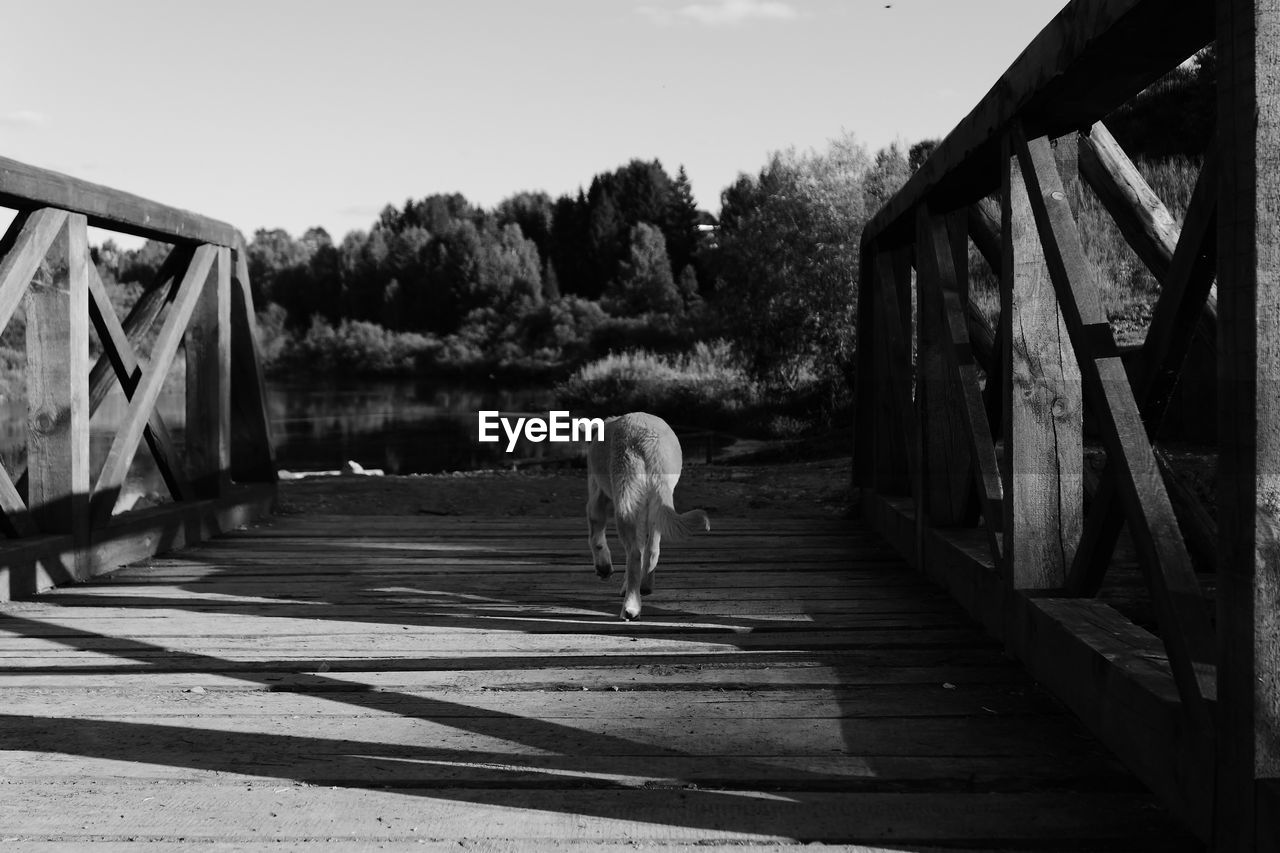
315, 682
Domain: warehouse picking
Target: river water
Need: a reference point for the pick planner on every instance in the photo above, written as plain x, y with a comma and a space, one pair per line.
399, 426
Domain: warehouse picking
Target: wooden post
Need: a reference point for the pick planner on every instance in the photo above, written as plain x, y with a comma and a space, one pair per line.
864, 409
1044, 483
937, 252
944, 450
208, 348
253, 455
1248, 776
1066, 153
891, 385
57, 306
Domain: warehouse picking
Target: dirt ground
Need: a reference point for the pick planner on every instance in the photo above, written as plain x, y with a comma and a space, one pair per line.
789, 490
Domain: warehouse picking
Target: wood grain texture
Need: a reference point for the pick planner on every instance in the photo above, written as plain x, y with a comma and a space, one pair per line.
57, 347
1142, 217
1043, 408
207, 343
1248, 422
505, 705
1185, 627
253, 455
22, 250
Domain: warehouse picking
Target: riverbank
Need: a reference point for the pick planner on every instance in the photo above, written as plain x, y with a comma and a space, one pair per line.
806, 489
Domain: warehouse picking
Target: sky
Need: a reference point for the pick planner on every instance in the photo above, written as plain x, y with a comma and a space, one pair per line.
281, 113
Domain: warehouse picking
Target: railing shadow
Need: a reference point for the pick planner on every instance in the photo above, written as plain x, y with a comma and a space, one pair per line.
549, 755
446, 748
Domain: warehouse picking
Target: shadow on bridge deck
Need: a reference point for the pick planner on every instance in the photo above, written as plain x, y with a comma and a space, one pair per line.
332, 681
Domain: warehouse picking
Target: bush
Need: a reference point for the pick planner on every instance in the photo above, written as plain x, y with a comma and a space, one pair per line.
355, 348
704, 386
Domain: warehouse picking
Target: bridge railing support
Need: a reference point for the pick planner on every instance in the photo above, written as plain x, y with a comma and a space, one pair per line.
60, 509
970, 449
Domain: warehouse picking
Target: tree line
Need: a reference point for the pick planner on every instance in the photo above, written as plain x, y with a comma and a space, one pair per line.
536, 283
428, 265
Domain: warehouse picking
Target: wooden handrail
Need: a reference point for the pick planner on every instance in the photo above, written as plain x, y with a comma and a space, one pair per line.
60, 523
24, 187
1009, 175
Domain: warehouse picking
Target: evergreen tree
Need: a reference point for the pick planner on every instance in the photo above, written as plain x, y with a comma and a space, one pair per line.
682, 222
644, 284
606, 239
568, 250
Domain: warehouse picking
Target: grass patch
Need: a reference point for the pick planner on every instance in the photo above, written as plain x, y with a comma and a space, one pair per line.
1128, 289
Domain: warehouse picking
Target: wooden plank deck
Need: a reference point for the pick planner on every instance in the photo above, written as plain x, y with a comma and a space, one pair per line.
431, 683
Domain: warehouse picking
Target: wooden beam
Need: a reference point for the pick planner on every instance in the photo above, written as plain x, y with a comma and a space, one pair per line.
984, 230
15, 521
1092, 57
22, 250
1140, 214
1187, 302
119, 351
957, 225
865, 378
1248, 424
28, 187
944, 452
142, 316
1177, 313
1108, 671
897, 443
102, 378
1043, 412
125, 443
1175, 592
1144, 221
57, 344
983, 337
208, 348
253, 455
935, 252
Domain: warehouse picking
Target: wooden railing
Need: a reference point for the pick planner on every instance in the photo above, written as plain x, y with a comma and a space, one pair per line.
971, 440
59, 516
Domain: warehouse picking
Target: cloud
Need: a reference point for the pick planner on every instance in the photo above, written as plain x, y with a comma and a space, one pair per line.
23, 118
720, 13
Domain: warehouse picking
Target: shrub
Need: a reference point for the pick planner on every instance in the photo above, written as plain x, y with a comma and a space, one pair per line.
355, 348
703, 386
